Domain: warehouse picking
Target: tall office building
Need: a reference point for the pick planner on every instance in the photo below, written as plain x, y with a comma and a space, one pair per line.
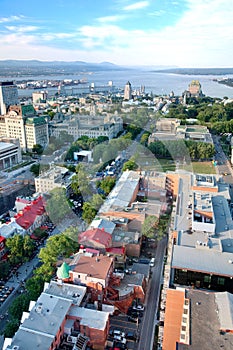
128, 91
8, 96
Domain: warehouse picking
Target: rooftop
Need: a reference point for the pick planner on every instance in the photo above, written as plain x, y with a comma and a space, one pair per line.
89, 317
97, 267
122, 194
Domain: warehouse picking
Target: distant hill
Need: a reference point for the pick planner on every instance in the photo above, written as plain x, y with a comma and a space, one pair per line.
21, 68
196, 71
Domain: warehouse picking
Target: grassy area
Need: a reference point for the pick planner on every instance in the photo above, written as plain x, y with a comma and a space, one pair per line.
169, 165
201, 167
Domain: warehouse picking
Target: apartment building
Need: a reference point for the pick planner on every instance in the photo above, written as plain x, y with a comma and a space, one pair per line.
53, 178
21, 122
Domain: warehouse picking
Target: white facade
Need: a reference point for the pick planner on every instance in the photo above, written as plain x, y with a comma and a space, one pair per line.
10, 155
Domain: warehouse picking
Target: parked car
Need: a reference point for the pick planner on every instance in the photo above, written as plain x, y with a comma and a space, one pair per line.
138, 307
131, 335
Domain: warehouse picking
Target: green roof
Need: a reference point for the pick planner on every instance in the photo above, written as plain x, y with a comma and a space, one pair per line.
28, 110
36, 120
63, 271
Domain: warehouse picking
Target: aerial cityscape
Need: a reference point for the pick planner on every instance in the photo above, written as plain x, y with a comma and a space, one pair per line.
116, 175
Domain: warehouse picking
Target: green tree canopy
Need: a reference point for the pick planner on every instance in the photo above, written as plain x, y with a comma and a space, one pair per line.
149, 226
57, 206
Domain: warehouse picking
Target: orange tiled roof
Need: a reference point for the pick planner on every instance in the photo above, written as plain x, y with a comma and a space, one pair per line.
97, 267
173, 318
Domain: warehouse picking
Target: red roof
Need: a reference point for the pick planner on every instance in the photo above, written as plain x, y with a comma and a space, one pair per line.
116, 251
28, 215
2, 239
95, 237
23, 200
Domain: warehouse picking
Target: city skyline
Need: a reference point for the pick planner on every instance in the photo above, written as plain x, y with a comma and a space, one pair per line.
182, 33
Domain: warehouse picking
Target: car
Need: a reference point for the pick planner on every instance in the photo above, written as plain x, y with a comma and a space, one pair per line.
119, 345
131, 336
138, 307
134, 320
152, 262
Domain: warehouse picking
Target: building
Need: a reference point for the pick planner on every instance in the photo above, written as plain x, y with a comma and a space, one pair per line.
8, 96
21, 122
33, 215
90, 126
128, 91
92, 271
202, 233
3, 254
54, 177
95, 238
195, 317
10, 154
39, 97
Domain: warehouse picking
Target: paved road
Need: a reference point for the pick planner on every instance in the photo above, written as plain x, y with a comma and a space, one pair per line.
152, 299
25, 271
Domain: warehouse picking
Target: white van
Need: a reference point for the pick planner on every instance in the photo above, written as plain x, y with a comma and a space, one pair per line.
152, 262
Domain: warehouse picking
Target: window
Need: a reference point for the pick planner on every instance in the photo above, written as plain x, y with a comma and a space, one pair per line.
221, 281
207, 279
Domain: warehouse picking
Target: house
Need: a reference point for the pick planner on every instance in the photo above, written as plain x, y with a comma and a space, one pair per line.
32, 215
94, 272
95, 238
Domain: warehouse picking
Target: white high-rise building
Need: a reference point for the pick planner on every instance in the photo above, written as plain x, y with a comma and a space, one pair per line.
8, 96
128, 91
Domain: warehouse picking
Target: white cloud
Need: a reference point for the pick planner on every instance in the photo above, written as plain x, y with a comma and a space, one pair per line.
201, 38
21, 29
111, 19
136, 6
11, 19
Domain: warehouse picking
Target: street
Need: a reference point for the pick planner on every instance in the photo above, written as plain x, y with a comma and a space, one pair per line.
152, 299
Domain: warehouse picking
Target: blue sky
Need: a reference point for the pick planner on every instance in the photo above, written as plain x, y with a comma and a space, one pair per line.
184, 33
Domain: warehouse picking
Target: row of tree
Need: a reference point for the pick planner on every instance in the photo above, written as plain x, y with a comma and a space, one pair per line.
180, 149
57, 248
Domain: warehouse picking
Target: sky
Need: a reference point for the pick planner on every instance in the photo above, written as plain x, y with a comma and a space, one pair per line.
183, 33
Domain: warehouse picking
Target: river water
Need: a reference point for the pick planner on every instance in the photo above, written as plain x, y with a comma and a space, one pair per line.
158, 83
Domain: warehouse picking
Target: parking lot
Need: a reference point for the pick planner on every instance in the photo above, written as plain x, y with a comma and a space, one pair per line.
129, 329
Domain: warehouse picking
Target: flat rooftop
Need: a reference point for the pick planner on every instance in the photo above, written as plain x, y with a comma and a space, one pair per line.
121, 195
204, 323
89, 317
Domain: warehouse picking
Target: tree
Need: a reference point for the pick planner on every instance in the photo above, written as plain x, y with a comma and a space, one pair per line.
97, 201
34, 286
15, 246
38, 149
11, 327
149, 225
130, 165
4, 269
61, 245
57, 206
107, 184
88, 212
28, 246
35, 169
20, 304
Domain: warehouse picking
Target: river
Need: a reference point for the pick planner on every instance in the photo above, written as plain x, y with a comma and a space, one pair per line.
158, 83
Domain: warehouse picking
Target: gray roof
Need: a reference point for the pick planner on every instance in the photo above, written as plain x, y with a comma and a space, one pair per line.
91, 318
224, 302
122, 194
100, 223
203, 259
71, 292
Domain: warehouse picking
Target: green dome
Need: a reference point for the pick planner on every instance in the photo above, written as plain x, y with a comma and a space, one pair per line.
63, 271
